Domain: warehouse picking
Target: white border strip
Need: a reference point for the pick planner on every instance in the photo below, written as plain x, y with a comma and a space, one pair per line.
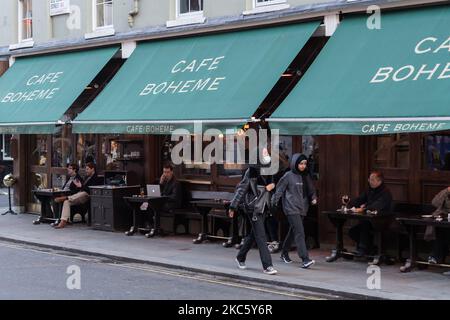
356, 119
28, 124
163, 121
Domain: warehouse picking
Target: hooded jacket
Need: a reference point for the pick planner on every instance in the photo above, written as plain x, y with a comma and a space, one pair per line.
295, 189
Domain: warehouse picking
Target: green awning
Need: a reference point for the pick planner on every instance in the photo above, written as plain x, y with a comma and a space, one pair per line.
36, 91
218, 79
376, 81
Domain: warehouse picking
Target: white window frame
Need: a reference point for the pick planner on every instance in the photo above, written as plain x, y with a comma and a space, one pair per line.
194, 17
21, 19
269, 6
22, 43
103, 31
94, 16
267, 3
3, 149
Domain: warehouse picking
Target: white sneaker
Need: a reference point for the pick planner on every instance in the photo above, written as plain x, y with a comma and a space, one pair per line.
241, 265
270, 270
307, 264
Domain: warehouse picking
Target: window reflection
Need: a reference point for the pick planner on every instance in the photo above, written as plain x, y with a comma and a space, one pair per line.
62, 148
39, 154
392, 151
437, 152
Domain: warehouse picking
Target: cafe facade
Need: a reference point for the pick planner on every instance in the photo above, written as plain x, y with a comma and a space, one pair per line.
351, 96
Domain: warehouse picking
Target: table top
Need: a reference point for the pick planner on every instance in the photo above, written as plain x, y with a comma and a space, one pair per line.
140, 198
108, 187
354, 215
211, 203
50, 192
419, 220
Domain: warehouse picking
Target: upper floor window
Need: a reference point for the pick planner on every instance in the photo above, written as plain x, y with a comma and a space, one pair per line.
259, 3
25, 20
103, 14
187, 7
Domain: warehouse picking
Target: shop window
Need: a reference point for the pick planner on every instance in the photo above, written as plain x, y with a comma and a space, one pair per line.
39, 153
200, 168
25, 20
38, 181
310, 148
436, 152
233, 169
392, 151
6, 147
62, 148
86, 149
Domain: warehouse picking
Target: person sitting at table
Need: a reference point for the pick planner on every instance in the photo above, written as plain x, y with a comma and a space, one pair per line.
170, 188
440, 237
81, 196
377, 198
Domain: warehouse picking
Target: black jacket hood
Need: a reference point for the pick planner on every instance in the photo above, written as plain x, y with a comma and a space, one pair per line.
296, 159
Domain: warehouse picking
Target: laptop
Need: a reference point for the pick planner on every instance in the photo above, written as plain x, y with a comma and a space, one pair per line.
153, 190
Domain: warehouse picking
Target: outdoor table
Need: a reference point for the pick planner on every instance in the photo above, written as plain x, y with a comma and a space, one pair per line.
50, 210
379, 223
204, 207
412, 224
155, 204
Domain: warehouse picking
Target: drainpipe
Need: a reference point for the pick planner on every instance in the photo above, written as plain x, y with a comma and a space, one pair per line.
133, 13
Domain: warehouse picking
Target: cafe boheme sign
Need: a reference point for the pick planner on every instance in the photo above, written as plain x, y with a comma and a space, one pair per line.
194, 67
33, 89
427, 47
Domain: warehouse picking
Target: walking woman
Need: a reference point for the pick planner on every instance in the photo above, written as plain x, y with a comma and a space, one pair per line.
296, 190
255, 199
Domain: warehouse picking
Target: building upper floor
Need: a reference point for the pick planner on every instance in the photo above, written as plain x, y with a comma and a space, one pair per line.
26, 24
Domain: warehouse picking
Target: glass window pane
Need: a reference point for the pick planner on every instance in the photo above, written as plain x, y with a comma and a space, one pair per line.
436, 152
27, 20
100, 15
86, 149
62, 148
310, 148
39, 152
184, 6
108, 11
6, 146
392, 151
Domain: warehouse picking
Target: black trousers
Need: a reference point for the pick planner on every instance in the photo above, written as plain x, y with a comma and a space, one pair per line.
257, 234
272, 228
296, 233
441, 244
362, 234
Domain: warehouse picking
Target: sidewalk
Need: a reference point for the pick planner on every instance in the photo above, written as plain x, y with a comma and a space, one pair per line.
178, 251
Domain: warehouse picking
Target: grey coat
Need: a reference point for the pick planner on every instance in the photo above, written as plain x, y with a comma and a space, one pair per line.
292, 189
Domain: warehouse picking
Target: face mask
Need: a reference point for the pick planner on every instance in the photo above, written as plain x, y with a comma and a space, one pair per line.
266, 159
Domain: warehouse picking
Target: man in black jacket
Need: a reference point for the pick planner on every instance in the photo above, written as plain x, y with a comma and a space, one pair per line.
170, 187
377, 199
248, 193
296, 190
80, 197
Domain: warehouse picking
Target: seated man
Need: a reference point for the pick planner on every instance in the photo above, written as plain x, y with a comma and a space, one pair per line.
170, 188
80, 197
442, 236
377, 198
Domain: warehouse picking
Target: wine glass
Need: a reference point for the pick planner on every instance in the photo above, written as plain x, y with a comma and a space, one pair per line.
346, 201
